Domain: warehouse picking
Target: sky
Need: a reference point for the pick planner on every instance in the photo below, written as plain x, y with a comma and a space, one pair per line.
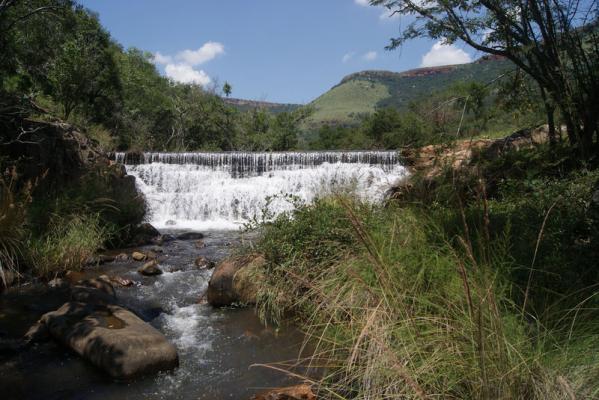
270, 50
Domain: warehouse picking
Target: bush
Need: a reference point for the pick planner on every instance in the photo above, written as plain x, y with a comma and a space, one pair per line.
401, 303
68, 243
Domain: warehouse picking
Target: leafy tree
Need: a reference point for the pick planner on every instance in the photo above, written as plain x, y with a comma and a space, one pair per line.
227, 89
550, 40
84, 74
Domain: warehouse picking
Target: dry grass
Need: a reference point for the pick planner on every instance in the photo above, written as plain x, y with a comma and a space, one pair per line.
402, 313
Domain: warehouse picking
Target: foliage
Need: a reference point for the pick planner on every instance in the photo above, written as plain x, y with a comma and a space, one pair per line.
68, 243
13, 208
474, 286
542, 33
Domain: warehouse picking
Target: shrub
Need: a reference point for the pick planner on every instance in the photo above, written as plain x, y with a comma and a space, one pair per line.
68, 243
399, 303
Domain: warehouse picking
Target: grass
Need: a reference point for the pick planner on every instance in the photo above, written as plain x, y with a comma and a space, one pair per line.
344, 103
68, 244
457, 295
13, 205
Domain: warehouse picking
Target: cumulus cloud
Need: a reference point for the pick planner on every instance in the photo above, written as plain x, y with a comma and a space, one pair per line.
370, 56
444, 54
363, 3
184, 73
207, 52
180, 68
348, 56
162, 59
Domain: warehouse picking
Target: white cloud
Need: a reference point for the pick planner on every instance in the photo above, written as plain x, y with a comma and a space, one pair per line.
444, 54
181, 67
370, 56
363, 3
161, 59
207, 52
348, 56
184, 73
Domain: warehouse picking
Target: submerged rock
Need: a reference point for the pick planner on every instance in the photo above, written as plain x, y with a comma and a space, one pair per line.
235, 280
190, 236
203, 263
298, 392
200, 244
119, 280
112, 338
150, 268
121, 257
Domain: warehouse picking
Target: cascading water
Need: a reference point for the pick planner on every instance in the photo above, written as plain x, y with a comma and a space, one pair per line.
223, 190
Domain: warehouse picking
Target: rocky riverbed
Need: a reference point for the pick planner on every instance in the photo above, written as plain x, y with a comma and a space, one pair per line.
216, 348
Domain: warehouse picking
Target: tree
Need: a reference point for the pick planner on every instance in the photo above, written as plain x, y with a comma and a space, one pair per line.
85, 73
227, 89
550, 40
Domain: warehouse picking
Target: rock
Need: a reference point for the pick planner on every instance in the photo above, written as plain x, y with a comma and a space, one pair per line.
121, 257
99, 259
144, 234
102, 284
200, 244
170, 222
137, 256
37, 333
157, 249
74, 276
58, 283
119, 280
150, 255
190, 236
235, 281
90, 295
203, 263
298, 392
150, 269
112, 338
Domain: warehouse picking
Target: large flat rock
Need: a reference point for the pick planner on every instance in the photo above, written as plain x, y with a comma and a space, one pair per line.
112, 338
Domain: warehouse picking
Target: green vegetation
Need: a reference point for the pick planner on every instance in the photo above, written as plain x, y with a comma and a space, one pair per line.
481, 286
363, 92
346, 102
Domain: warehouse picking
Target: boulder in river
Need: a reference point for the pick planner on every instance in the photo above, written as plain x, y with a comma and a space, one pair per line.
112, 338
137, 256
144, 234
298, 392
235, 280
150, 268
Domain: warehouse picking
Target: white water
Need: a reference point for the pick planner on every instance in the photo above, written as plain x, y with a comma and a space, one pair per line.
203, 191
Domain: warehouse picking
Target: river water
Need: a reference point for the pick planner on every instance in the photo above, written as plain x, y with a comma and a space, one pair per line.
215, 193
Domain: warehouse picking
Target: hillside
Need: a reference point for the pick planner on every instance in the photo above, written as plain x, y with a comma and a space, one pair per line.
247, 105
363, 92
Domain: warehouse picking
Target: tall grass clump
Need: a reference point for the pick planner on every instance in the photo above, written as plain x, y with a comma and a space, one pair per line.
68, 243
396, 308
13, 204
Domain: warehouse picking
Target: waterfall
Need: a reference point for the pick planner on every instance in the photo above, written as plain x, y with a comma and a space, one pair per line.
204, 191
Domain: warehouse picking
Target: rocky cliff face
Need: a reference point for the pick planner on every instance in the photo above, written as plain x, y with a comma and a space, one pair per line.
57, 159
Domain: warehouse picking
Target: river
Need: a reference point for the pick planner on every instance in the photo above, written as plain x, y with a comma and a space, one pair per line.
215, 193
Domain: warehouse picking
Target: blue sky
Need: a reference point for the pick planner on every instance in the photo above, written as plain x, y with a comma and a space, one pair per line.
273, 50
